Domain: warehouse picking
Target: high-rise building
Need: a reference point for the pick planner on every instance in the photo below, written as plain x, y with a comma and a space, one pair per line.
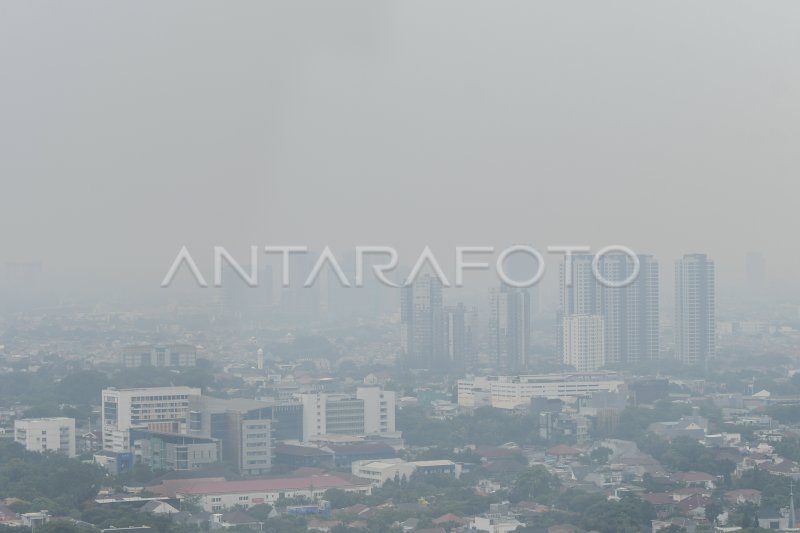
510, 327
695, 309
584, 342
460, 342
162, 409
46, 434
423, 332
630, 313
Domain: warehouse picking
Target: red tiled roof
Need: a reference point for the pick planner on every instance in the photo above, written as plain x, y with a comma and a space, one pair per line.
658, 498
449, 517
563, 449
168, 487
784, 467
693, 476
326, 481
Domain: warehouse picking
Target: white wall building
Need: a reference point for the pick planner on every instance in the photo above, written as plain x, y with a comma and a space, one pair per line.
370, 412
379, 472
695, 309
379, 410
583, 342
255, 456
162, 409
46, 434
510, 392
216, 496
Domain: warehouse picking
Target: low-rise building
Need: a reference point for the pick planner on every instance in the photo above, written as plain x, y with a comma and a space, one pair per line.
170, 355
46, 434
216, 496
379, 472
512, 392
169, 451
694, 427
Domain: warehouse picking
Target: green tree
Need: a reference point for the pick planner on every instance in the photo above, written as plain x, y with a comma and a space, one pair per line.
713, 510
340, 499
534, 484
260, 512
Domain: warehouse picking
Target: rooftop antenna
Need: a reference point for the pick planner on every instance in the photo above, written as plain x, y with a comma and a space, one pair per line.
792, 517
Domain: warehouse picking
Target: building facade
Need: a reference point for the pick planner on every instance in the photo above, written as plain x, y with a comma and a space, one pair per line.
510, 328
630, 313
245, 429
695, 309
170, 355
513, 392
583, 343
460, 326
422, 324
370, 412
46, 434
168, 451
216, 496
379, 410
160, 409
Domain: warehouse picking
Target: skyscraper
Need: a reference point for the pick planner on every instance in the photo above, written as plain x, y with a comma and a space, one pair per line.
510, 327
695, 309
422, 327
460, 342
629, 314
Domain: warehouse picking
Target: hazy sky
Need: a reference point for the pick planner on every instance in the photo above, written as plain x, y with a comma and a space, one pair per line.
128, 129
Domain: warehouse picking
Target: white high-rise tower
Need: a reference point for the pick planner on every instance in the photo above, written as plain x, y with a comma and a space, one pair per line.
695, 309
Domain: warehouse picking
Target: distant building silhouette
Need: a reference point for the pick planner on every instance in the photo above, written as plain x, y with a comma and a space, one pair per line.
695, 309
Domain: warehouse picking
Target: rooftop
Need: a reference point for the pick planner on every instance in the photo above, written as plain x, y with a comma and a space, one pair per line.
325, 481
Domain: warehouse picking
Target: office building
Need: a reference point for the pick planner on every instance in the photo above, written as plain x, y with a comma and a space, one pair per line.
325, 413
254, 455
169, 451
46, 434
162, 409
379, 410
695, 309
370, 412
246, 429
